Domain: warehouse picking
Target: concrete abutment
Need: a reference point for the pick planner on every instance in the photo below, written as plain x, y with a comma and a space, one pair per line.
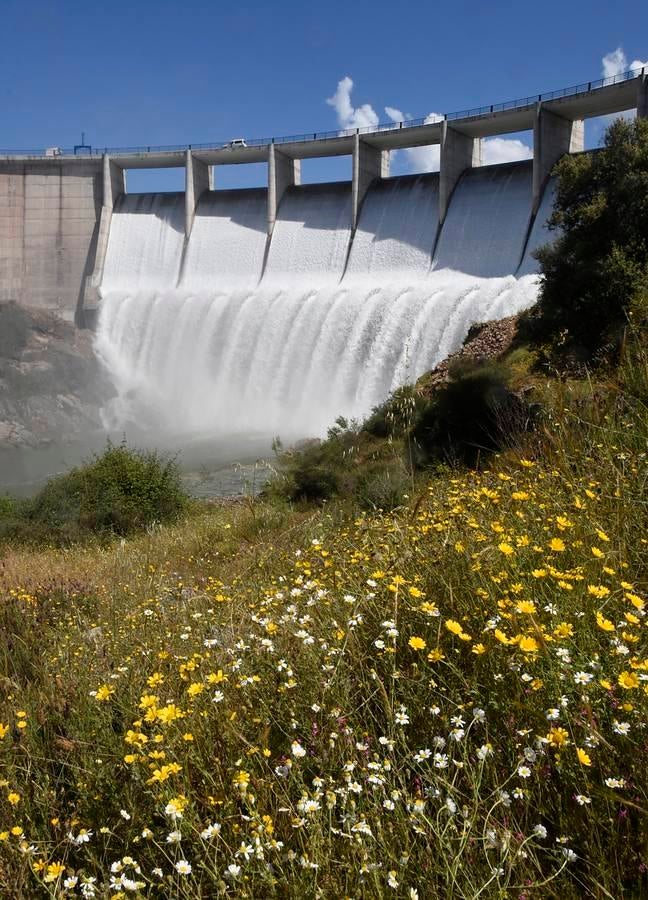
369, 163
198, 179
458, 152
553, 137
283, 172
642, 97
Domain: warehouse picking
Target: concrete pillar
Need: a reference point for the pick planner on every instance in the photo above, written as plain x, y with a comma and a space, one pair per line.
283, 172
458, 152
114, 184
198, 179
553, 136
369, 163
642, 96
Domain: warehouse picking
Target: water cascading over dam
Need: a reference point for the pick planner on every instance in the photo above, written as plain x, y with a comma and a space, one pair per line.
229, 333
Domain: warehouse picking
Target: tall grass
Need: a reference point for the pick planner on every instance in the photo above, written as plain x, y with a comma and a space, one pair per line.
448, 700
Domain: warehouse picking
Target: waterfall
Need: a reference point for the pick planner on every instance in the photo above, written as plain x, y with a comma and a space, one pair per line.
209, 341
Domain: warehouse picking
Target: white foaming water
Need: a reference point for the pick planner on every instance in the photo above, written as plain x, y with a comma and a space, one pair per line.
228, 241
216, 353
311, 235
145, 245
486, 224
397, 228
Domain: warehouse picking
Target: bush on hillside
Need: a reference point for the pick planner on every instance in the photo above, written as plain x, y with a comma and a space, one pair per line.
476, 413
120, 491
595, 273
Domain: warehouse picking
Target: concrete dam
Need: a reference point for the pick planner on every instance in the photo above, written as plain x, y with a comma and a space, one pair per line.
275, 310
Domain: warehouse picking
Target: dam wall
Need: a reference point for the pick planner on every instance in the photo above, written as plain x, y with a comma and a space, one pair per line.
56, 206
49, 215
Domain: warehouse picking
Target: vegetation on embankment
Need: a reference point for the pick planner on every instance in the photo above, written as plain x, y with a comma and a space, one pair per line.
117, 492
438, 695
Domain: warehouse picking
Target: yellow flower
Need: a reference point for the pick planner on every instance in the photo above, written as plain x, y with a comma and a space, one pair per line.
436, 655
429, 609
557, 737
503, 638
564, 629
598, 590
13, 798
54, 871
453, 626
169, 713
478, 649
505, 548
637, 602
414, 592
583, 757
603, 623
557, 545
417, 643
597, 553
526, 606
528, 645
187, 736
103, 693
3, 730
520, 495
602, 536
628, 680
195, 688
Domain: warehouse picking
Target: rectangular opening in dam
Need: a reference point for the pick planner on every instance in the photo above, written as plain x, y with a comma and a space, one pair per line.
505, 148
250, 175
154, 181
323, 169
596, 127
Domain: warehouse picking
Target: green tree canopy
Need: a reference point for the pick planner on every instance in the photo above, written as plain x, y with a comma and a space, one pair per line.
595, 274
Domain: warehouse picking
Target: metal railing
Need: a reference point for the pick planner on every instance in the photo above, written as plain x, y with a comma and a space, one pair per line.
509, 105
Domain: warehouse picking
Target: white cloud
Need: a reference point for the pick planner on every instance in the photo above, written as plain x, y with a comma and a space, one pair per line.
349, 116
502, 150
616, 62
396, 115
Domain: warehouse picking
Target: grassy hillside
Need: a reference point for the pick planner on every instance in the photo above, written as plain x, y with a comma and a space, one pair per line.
448, 700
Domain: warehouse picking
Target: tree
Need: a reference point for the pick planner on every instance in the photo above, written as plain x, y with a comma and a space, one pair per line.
595, 274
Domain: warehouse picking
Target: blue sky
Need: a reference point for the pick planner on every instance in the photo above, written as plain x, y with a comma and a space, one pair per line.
166, 72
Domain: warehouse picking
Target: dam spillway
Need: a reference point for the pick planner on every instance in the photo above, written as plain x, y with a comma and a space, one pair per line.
228, 332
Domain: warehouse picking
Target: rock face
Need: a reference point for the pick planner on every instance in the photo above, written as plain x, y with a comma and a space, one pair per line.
51, 386
487, 340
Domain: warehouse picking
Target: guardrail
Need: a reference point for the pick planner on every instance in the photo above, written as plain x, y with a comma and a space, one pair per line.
521, 103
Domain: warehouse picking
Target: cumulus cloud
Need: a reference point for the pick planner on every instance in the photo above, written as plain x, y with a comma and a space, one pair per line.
501, 150
417, 159
349, 116
616, 62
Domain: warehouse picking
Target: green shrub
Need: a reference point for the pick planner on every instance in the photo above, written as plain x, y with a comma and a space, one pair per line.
596, 272
120, 491
383, 486
475, 413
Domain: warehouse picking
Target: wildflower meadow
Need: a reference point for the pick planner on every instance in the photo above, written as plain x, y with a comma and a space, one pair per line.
444, 701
